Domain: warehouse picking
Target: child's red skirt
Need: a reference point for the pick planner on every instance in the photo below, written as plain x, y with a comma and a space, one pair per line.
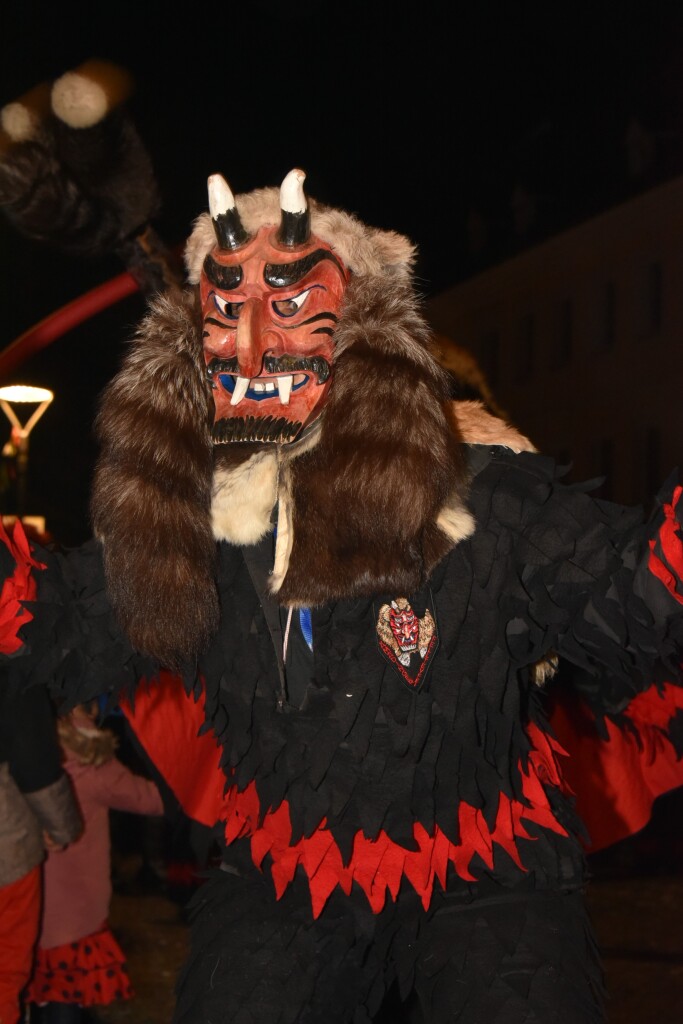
91, 971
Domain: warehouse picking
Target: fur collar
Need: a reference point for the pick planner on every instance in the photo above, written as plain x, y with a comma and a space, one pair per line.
245, 495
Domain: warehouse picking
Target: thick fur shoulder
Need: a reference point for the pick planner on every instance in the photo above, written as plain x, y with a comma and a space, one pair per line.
478, 426
366, 500
152, 489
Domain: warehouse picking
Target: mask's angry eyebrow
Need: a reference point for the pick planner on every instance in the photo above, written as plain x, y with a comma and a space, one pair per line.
225, 278
283, 275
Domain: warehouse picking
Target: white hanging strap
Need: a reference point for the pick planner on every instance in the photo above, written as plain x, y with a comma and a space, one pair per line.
284, 646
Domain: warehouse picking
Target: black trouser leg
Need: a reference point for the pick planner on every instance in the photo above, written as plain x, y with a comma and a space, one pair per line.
516, 959
258, 960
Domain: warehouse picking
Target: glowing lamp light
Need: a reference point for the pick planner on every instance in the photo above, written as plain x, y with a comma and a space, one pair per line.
25, 393
17, 446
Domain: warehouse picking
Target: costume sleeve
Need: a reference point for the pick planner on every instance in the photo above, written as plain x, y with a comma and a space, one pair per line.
28, 742
595, 582
600, 584
57, 627
29, 738
57, 811
628, 638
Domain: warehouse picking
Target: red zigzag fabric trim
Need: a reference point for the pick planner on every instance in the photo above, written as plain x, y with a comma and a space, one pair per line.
167, 721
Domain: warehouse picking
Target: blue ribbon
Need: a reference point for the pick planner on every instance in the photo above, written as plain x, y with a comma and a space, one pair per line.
306, 625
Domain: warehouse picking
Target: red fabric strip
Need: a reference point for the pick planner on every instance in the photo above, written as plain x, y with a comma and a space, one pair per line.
18, 588
167, 721
671, 571
617, 780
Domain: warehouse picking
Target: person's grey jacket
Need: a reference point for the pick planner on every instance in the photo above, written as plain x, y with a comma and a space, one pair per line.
35, 793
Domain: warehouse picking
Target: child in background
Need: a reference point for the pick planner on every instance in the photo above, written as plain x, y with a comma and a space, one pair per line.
79, 963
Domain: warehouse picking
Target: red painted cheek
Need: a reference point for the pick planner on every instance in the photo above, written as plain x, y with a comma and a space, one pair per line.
218, 343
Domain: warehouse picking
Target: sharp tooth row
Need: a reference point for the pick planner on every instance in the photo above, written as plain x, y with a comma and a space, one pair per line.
242, 384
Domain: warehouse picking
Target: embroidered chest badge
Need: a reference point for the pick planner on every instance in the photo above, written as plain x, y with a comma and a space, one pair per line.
407, 641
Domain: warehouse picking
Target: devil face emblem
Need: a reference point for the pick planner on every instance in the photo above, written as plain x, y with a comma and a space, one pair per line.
406, 640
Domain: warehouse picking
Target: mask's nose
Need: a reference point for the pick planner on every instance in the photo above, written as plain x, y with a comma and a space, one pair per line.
251, 340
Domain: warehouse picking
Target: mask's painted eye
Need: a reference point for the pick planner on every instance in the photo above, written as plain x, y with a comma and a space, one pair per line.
230, 310
288, 307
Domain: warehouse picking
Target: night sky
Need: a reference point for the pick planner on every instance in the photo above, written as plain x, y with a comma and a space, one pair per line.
414, 116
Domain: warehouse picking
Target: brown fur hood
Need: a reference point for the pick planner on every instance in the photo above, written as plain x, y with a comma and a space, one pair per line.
368, 503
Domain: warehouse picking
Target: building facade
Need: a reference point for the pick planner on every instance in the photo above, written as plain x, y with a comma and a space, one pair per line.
581, 339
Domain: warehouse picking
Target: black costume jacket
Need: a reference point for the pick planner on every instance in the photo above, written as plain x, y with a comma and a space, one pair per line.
356, 765
362, 761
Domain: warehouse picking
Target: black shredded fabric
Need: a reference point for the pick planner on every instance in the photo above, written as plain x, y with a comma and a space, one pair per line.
523, 956
548, 569
74, 643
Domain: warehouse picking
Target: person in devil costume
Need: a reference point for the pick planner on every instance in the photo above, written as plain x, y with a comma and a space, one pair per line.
325, 595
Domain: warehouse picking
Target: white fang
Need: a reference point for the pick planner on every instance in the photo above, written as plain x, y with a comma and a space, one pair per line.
241, 388
284, 385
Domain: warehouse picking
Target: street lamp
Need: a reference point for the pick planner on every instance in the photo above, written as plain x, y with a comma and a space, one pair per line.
17, 446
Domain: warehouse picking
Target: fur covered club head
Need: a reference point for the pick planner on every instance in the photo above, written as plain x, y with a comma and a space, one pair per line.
367, 471
74, 172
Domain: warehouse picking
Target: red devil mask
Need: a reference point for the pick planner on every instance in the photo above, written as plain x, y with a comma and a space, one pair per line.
270, 304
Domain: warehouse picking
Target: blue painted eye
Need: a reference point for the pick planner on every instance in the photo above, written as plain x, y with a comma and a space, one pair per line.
230, 310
